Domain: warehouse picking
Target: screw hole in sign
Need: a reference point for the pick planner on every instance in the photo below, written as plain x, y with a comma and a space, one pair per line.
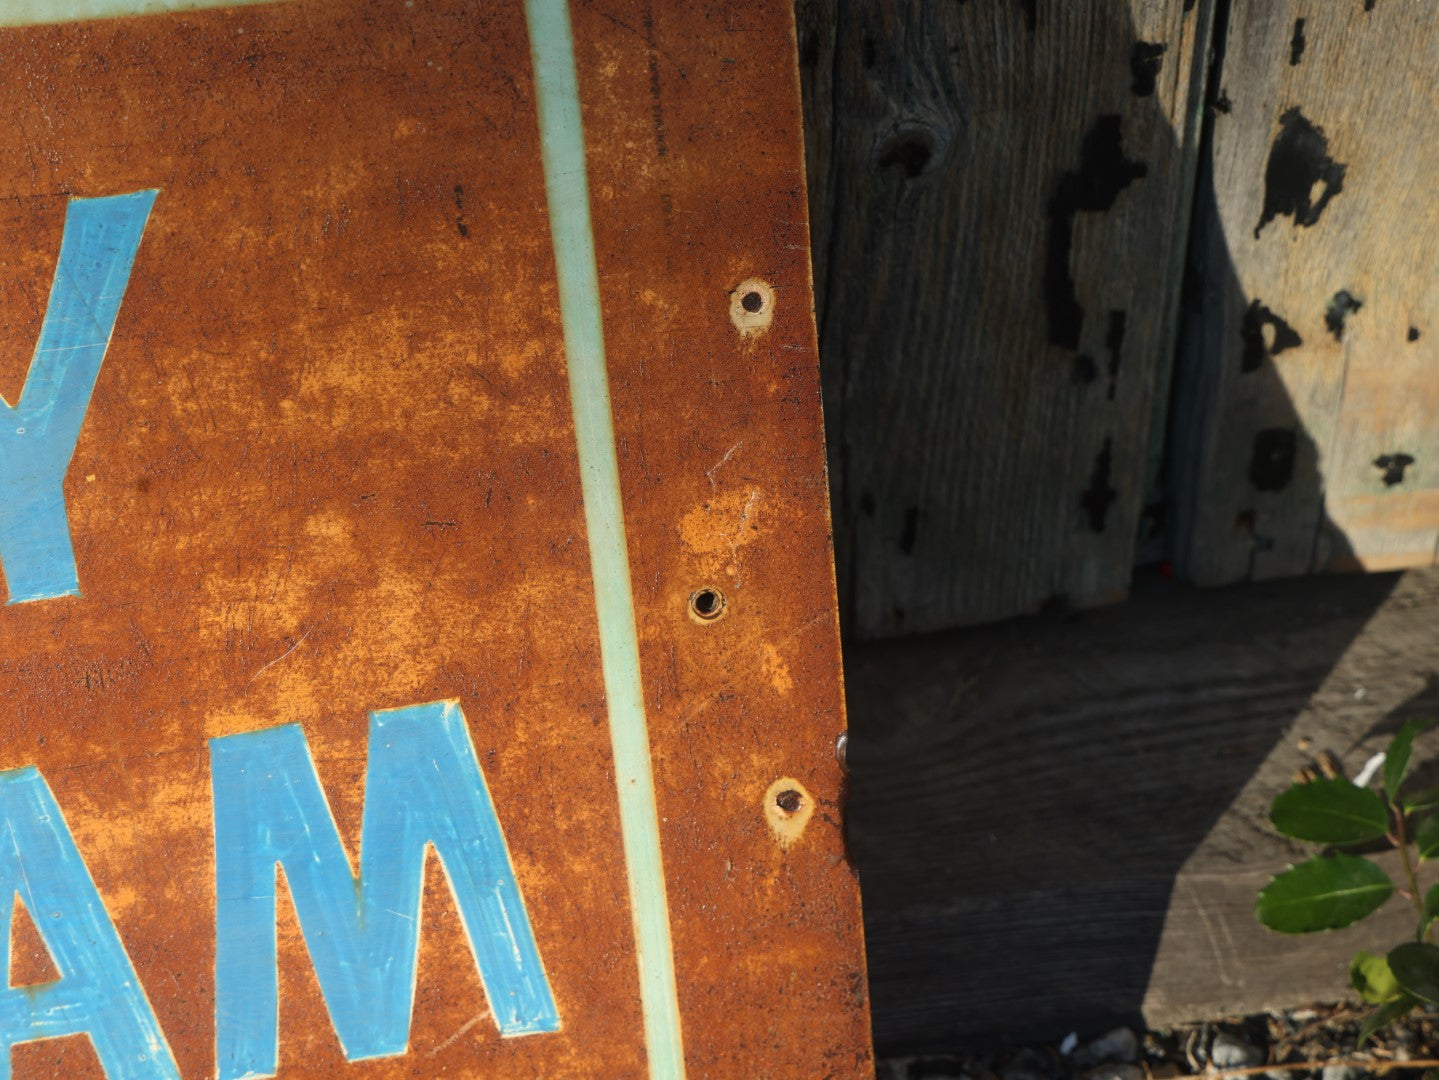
788, 806
751, 307
707, 605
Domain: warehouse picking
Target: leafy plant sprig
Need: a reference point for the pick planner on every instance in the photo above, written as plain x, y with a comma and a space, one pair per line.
1335, 890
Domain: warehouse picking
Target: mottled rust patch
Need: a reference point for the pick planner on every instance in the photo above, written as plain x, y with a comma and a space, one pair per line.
329, 467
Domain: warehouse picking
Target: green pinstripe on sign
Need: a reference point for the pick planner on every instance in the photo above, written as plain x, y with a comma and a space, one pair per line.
562, 147
38, 12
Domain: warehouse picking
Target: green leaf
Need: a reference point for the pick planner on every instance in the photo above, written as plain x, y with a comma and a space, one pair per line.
1330, 812
1431, 912
1385, 1015
1416, 965
1370, 975
1425, 800
1426, 836
1325, 893
1396, 758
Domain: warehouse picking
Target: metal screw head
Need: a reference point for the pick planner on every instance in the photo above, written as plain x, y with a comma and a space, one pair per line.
841, 750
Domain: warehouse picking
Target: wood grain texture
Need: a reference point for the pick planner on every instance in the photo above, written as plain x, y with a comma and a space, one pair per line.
1307, 440
1060, 822
999, 193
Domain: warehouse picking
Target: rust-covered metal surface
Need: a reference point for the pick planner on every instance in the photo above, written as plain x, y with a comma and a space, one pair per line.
329, 468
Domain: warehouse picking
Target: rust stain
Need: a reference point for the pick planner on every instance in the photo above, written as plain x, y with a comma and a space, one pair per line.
329, 468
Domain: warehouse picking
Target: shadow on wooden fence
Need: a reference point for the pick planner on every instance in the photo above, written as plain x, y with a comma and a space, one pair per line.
1002, 203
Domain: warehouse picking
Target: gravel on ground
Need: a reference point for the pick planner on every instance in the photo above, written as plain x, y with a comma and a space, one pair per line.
1314, 1043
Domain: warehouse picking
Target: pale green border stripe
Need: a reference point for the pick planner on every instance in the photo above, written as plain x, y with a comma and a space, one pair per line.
36, 12
562, 147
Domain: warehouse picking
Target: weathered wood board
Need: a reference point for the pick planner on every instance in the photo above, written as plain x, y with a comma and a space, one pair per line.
1001, 198
1061, 822
416, 443
1307, 401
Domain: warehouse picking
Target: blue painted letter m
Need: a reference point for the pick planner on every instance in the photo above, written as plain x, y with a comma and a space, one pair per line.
423, 786
38, 436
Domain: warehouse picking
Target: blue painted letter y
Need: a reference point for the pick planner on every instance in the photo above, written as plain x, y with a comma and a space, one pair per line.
38, 436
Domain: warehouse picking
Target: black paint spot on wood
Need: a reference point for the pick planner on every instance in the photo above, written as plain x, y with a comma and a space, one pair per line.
1222, 104
1099, 496
1031, 13
1251, 332
1145, 60
1296, 44
908, 151
1368, 5
1393, 466
1271, 467
1114, 342
1103, 173
1188, 6
1413, 334
1338, 310
910, 532
1299, 162
1085, 369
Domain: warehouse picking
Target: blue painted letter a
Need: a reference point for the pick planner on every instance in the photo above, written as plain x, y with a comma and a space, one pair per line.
98, 992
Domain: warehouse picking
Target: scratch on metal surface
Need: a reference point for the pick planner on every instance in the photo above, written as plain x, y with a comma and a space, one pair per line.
267, 666
459, 1034
710, 472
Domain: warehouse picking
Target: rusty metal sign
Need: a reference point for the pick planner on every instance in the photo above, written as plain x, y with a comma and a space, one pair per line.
411, 446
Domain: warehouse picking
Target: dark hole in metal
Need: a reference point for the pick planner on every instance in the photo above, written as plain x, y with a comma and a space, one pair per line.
751, 302
789, 800
707, 603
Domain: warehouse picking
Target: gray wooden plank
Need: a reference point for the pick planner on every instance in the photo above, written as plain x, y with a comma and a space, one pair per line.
1060, 821
1306, 399
999, 194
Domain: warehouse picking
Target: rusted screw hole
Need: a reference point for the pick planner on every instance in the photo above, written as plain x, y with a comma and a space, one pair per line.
789, 800
707, 604
751, 302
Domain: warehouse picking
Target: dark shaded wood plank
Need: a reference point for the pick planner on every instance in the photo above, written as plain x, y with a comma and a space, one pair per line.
1306, 399
1000, 197
1060, 821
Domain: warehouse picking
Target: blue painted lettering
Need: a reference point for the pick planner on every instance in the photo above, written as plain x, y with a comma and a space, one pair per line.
423, 787
38, 436
98, 992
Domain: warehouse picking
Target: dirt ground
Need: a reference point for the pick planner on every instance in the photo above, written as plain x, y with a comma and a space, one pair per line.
1318, 1042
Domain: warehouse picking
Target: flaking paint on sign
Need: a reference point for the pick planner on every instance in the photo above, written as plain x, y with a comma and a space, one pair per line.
376, 361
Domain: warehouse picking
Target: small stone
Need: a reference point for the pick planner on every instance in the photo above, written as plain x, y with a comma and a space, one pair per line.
1404, 1042
1231, 1052
1121, 1044
1343, 1072
1115, 1071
